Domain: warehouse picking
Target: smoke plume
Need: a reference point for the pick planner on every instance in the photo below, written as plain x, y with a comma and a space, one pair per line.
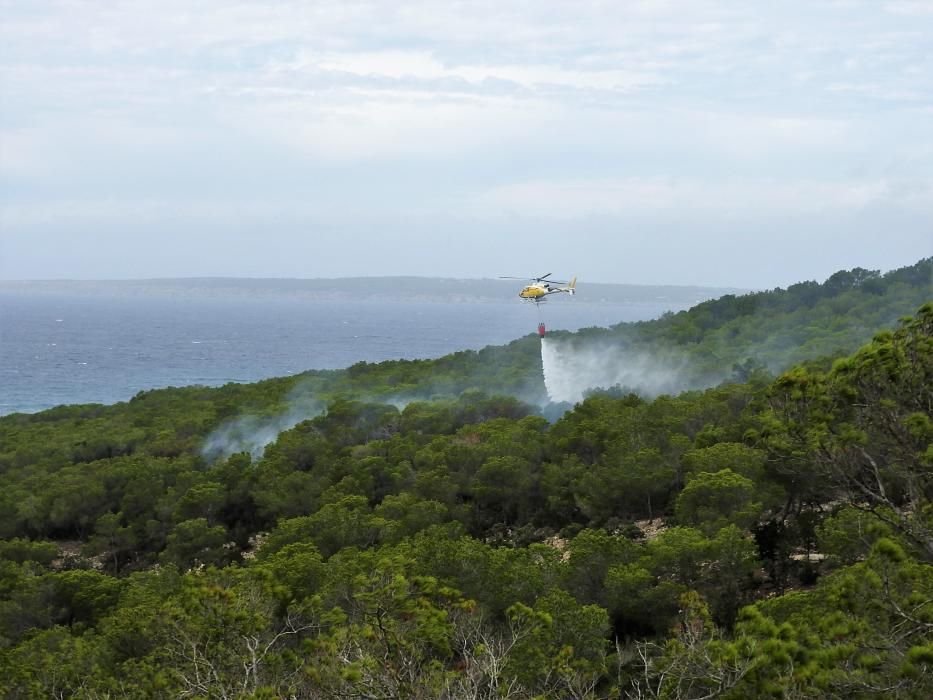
252, 433
573, 367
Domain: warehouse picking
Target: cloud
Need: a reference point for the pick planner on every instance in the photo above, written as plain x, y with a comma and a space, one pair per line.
665, 197
463, 119
910, 7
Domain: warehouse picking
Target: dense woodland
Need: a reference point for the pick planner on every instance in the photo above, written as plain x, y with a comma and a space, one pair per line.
435, 529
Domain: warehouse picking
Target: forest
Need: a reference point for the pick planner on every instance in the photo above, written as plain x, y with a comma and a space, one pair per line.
439, 529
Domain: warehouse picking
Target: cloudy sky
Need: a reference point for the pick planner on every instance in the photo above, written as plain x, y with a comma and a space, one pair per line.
720, 142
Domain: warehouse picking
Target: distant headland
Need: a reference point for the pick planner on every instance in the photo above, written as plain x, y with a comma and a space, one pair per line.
387, 288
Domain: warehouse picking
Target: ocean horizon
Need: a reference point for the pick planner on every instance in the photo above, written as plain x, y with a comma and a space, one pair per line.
63, 348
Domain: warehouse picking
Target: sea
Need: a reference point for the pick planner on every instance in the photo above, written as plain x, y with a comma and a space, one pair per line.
58, 348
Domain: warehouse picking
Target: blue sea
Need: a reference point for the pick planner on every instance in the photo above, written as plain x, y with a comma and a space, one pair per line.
61, 349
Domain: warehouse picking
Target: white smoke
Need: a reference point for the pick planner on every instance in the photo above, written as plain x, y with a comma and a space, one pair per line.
572, 367
252, 433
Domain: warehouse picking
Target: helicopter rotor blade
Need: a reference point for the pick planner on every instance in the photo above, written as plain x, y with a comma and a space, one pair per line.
542, 278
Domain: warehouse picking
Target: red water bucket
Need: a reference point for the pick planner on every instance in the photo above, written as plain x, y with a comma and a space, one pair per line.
541, 329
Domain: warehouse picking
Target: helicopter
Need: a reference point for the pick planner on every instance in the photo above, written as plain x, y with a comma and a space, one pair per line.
541, 287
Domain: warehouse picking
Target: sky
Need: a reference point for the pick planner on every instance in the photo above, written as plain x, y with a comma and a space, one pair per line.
712, 142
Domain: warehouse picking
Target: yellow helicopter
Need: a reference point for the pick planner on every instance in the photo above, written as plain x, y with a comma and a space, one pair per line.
542, 287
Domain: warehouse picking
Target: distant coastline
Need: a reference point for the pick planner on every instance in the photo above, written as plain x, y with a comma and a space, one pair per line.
415, 289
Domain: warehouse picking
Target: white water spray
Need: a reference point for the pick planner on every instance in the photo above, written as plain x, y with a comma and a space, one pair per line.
559, 379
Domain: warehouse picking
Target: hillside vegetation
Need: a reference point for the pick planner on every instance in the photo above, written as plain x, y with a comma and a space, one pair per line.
434, 532
776, 329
